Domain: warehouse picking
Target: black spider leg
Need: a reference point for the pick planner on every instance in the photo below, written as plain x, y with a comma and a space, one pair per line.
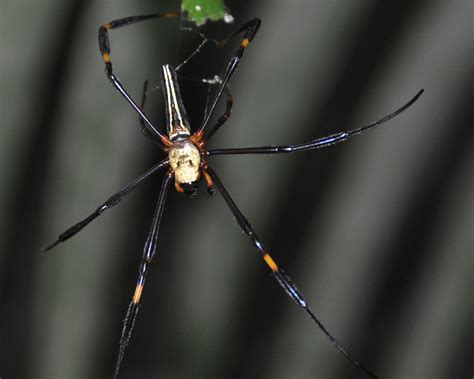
229, 103
142, 127
250, 28
314, 144
216, 80
109, 203
148, 253
104, 46
282, 279
225, 116
211, 82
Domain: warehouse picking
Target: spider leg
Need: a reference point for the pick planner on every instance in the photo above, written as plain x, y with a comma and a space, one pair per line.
230, 101
227, 113
214, 81
317, 143
148, 253
222, 119
283, 280
109, 203
250, 28
104, 47
143, 128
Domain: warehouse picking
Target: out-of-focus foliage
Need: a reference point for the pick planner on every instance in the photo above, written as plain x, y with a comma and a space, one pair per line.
199, 11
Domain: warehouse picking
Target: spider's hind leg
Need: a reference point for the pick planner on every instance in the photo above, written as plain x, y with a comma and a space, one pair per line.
280, 276
148, 253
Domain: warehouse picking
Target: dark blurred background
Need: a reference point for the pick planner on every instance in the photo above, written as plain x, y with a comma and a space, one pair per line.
377, 232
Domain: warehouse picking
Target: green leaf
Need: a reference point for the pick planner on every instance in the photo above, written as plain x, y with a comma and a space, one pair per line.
199, 11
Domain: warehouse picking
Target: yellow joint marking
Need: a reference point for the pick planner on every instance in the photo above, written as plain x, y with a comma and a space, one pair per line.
137, 294
107, 26
106, 57
245, 42
270, 262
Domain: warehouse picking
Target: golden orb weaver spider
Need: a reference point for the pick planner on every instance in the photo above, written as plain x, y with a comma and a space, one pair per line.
186, 163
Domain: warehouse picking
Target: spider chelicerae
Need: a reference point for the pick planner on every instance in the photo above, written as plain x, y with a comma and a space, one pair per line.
186, 164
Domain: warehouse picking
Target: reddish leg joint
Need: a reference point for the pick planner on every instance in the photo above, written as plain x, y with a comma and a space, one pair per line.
166, 142
208, 179
197, 139
178, 187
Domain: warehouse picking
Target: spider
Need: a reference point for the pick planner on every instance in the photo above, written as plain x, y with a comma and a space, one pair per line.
186, 164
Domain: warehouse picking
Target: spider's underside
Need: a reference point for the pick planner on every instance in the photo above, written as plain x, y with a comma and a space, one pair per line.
186, 164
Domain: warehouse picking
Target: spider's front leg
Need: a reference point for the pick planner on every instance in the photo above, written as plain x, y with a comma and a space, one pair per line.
249, 29
104, 47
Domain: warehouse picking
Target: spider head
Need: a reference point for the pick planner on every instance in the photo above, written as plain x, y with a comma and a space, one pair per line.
185, 160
